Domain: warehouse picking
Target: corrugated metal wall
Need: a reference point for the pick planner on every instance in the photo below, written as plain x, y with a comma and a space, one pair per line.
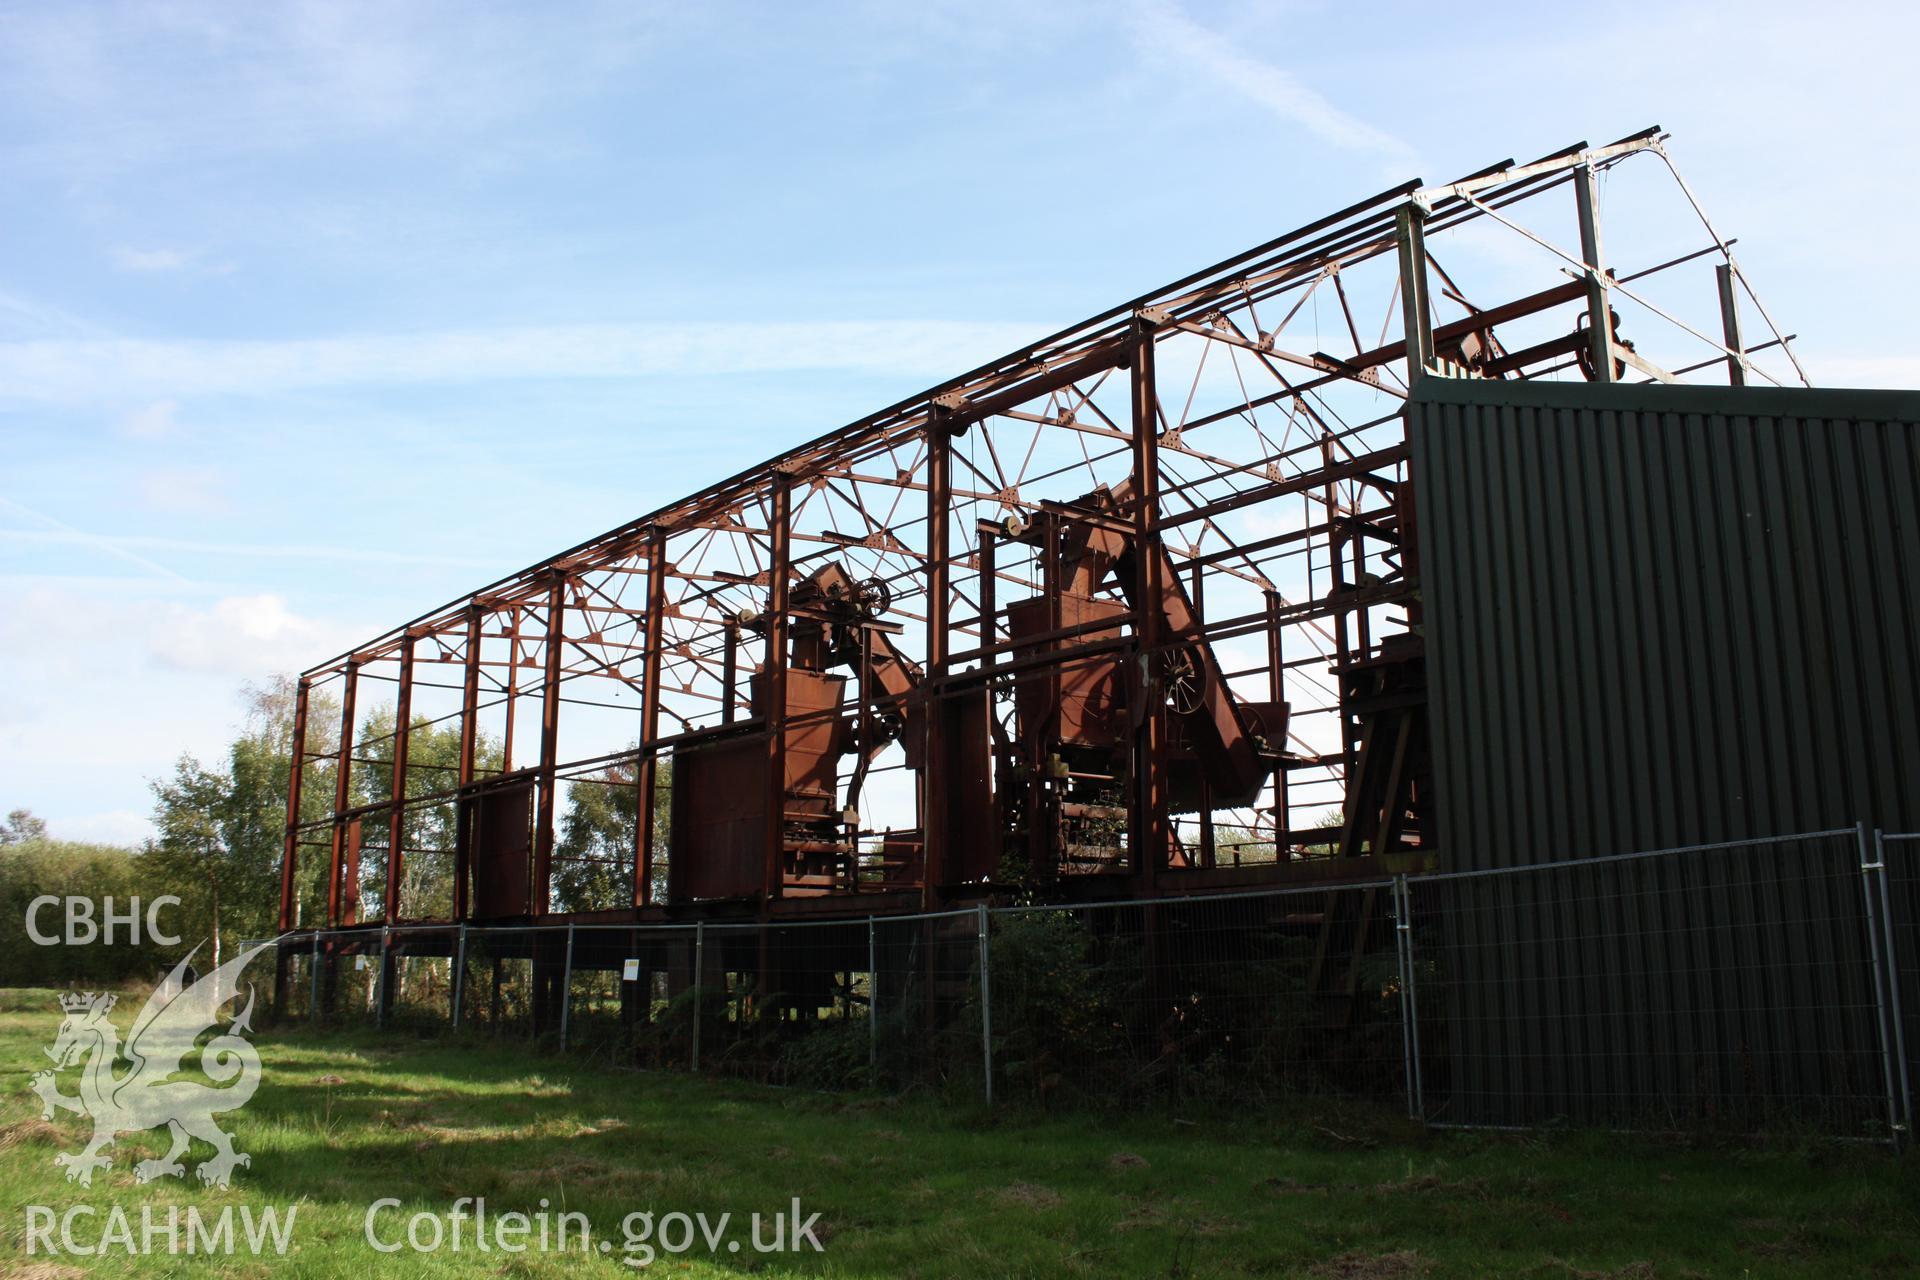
1661, 616
1667, 615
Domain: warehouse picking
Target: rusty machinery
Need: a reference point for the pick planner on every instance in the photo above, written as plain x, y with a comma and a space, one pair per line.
1133, 610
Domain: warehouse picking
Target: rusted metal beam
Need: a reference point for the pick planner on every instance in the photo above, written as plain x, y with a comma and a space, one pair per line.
469, 739
773, 711
647, 763
1149, 832
343, 769
935, 820
289, 854
397, 789
549, 747
1599, 307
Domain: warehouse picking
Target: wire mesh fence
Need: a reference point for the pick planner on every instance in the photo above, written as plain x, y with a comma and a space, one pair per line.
1244, 997
1744, 986
1729, 986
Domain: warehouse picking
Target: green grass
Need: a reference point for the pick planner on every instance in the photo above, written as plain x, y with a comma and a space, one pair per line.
907, 1187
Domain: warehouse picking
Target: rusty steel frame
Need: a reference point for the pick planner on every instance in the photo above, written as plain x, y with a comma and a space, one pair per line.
1258, 486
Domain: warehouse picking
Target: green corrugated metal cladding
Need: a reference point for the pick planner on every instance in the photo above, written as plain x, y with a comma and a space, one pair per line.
1663, 616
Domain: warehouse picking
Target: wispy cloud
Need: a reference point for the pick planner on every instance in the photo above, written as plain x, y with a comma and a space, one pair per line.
85, 372
80, 536
183, 491
243, 550
107, 78
129, 259
1162, 31
25, 317
156, 421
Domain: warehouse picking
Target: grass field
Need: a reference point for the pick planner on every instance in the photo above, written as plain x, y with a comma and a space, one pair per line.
905, 1187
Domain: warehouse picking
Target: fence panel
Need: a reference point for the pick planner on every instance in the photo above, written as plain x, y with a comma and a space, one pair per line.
630, 996
1728, 986
1746, 986
498, 993
1234, 998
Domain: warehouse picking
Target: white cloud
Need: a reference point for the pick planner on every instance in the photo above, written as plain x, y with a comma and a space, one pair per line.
152, 259
244, 637
183, 490
133, 672
57, 371
114, 826
1162, 31
1899, 372
155, 421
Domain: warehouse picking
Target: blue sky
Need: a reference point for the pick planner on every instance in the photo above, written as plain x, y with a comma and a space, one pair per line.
314, 315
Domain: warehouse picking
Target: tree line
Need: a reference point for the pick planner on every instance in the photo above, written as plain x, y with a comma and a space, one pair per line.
219, 835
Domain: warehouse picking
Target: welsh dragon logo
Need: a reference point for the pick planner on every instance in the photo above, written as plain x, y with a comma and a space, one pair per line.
147, 1096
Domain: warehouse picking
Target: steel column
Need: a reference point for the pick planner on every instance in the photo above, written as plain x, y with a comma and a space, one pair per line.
549, 746
342, 777
646, 766
935, 821
289, 855
1277, 692
1599, 305
1726, 278
774, 686
1416, 309
1148, 834
397, 789
469, 738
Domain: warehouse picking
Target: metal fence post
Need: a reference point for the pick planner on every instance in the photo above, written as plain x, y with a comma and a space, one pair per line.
1893, 981
873, 1006
1877, 956
313, 1014
566, 989
1409, 1003
459, 975
699, 964
1400, 960
986, 1003
386, 970
1877, 962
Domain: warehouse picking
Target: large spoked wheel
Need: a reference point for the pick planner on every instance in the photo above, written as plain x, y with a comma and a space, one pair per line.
874, 596
1184, 680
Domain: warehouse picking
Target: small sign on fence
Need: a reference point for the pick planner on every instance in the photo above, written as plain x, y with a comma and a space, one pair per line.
630, 970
